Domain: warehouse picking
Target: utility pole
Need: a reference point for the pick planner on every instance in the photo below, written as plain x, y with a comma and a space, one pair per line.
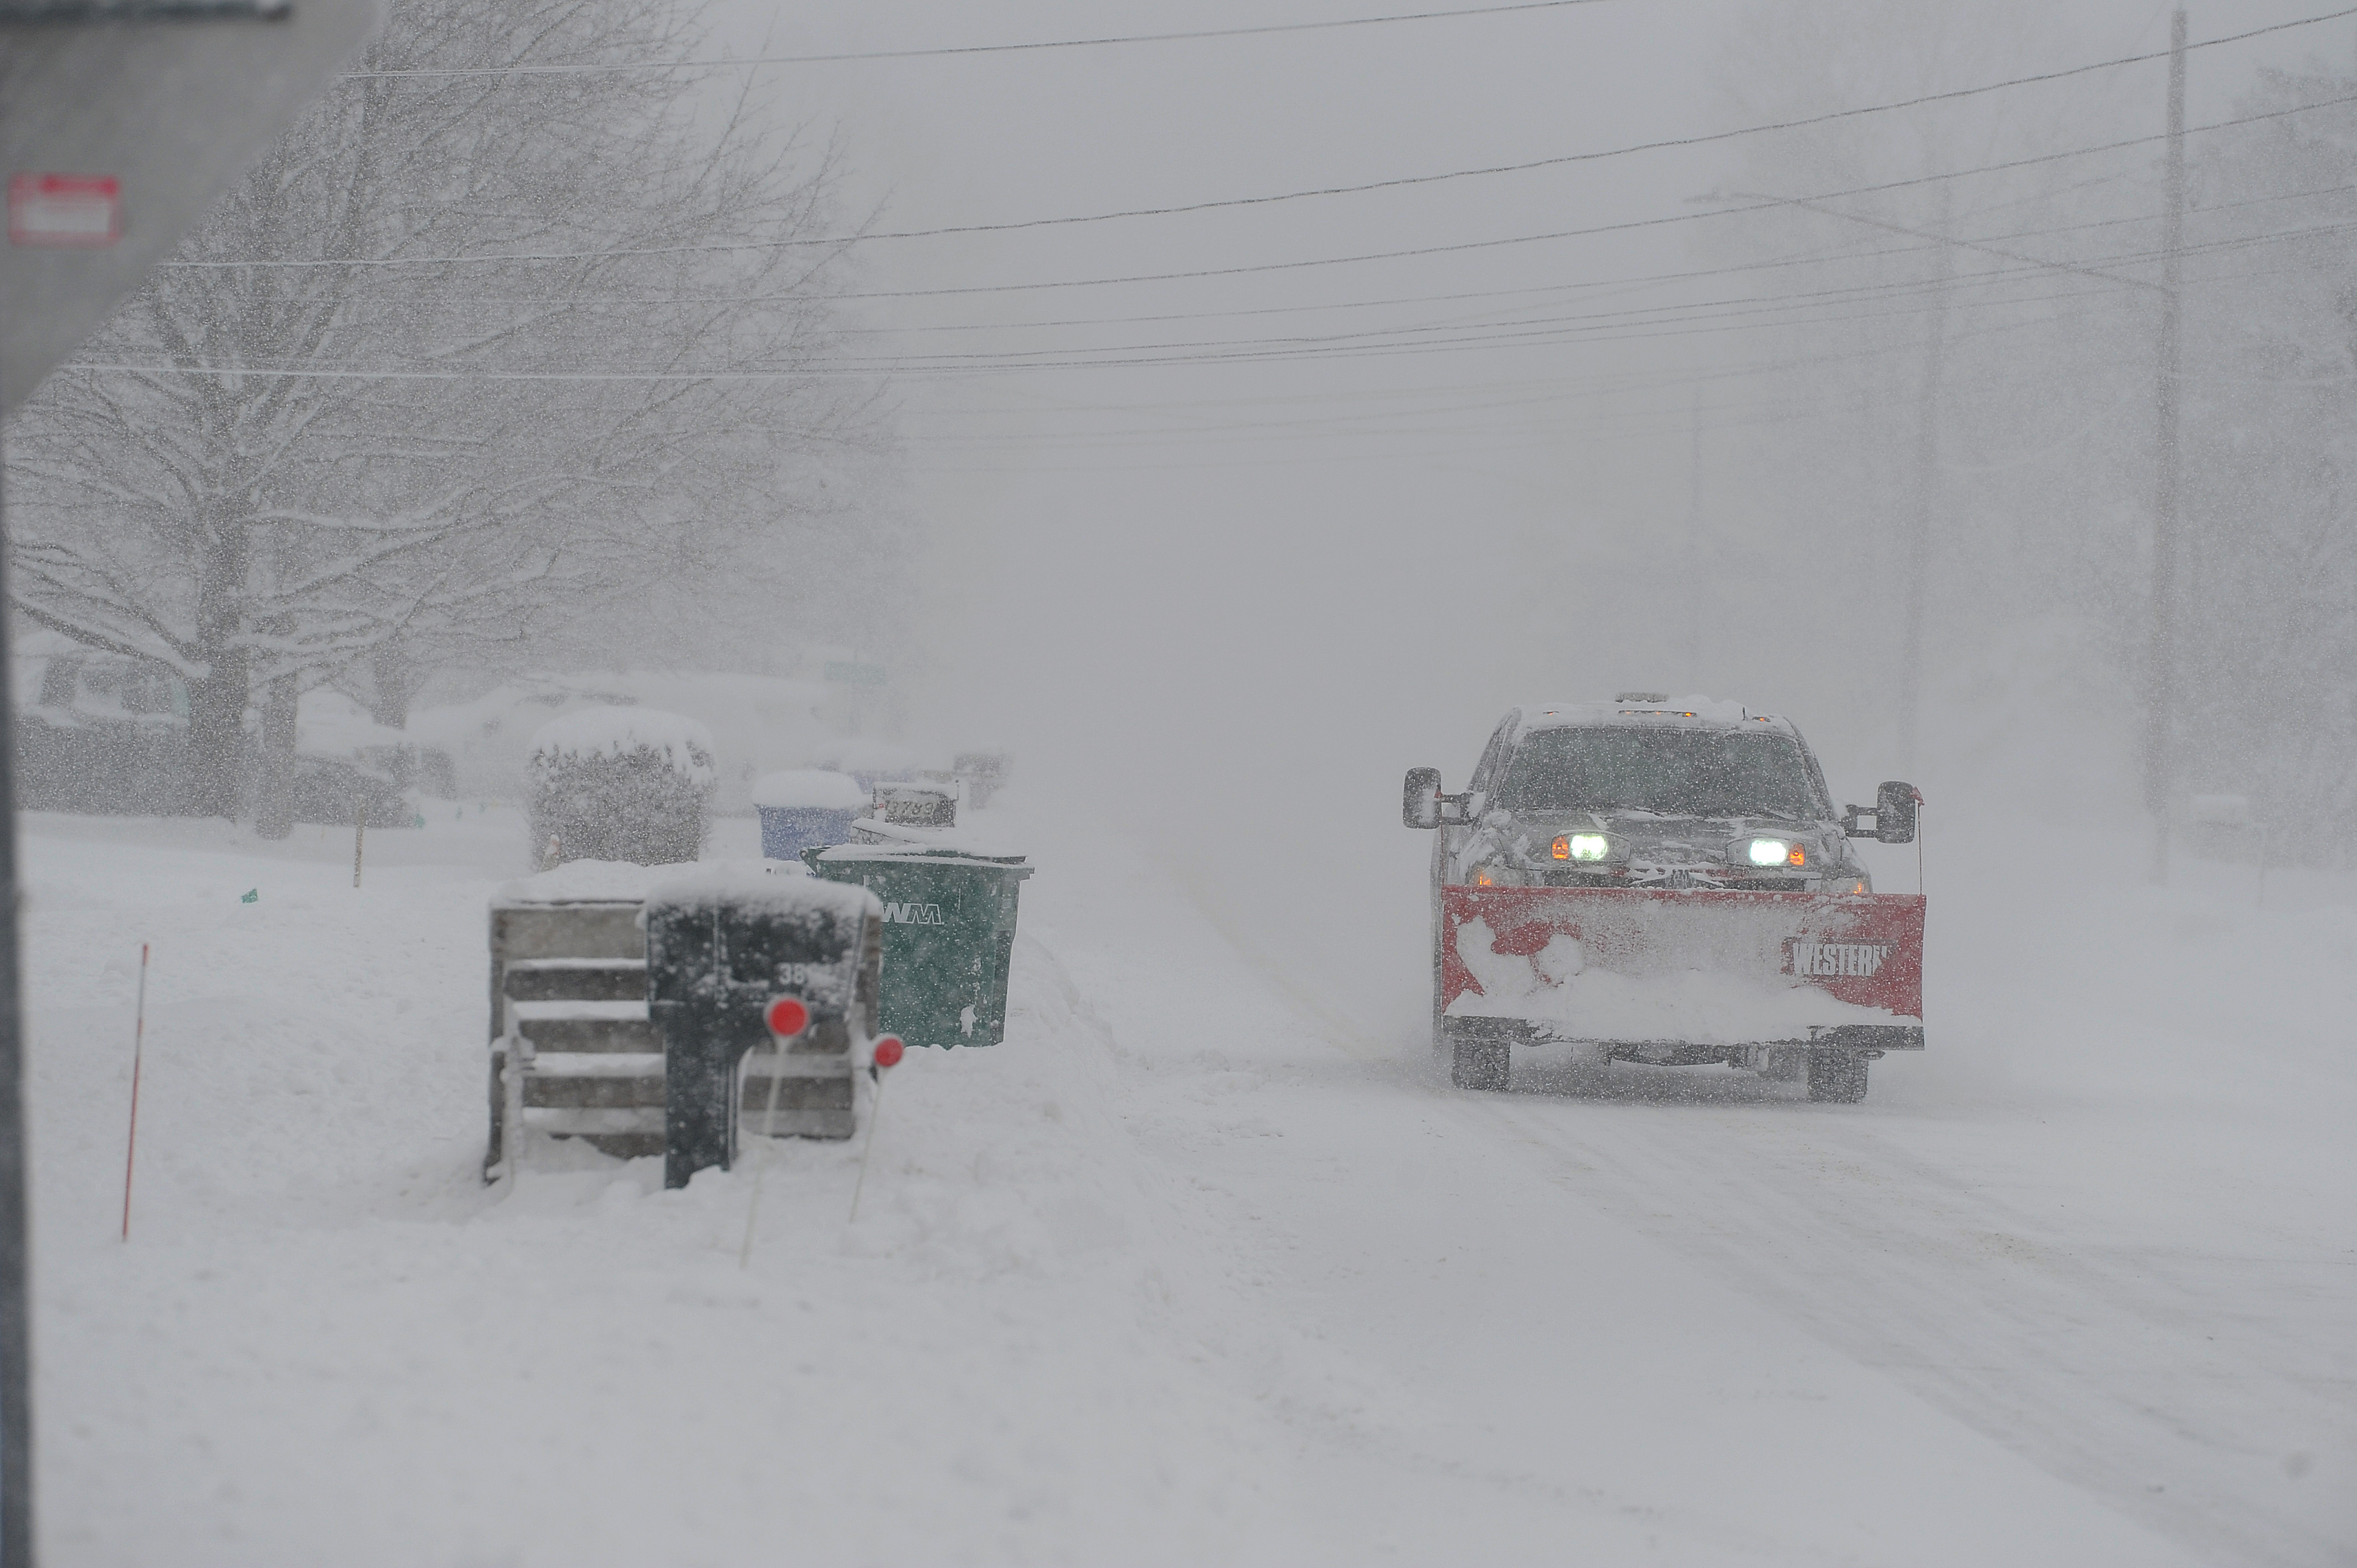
2160, 694
1924, 500
1695, 577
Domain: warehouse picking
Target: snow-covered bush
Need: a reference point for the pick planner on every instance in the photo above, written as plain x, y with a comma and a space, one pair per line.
621, 784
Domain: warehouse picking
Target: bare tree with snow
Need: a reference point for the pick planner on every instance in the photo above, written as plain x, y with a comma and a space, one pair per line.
466, 357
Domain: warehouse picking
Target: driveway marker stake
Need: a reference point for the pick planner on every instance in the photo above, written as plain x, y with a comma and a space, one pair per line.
138, 1049
888, 1055
787, 1017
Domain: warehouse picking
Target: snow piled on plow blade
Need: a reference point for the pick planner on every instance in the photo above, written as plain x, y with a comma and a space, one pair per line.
1698, 967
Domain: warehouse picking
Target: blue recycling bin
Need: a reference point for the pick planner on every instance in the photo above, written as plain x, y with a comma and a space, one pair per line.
806, 809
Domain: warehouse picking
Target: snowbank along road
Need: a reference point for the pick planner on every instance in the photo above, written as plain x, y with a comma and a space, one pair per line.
1205, 1263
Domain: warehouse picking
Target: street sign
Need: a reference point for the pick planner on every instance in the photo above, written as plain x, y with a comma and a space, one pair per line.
170, 102
78, 212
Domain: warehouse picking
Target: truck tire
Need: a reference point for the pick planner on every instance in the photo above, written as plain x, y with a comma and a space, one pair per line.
499, 1143
1439, 1015
1439, 1018
1480, 1064
1838, 1077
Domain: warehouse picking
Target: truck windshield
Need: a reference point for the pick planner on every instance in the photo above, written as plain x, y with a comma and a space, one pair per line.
1684, 772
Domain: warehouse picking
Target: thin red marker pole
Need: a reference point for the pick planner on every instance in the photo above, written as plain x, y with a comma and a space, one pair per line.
888, 1055
138, 1049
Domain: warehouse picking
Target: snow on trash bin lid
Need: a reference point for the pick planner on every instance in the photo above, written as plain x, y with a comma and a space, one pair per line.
916, 789
683, 743
761, 886
759, 890
904, 845
810, 789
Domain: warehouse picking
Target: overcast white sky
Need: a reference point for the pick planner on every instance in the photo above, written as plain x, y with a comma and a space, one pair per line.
1184, 569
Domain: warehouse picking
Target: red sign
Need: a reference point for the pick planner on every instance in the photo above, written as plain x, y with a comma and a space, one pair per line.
79, 211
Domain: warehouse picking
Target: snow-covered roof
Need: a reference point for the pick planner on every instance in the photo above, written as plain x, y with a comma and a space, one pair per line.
618, 732
811, 788
1698, 712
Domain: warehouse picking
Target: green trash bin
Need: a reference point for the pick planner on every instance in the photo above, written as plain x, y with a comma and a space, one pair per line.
949, 935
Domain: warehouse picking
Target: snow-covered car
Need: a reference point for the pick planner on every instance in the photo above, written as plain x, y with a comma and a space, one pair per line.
1665, 881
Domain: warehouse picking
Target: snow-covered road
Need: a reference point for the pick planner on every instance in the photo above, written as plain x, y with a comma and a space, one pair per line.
1205, 1263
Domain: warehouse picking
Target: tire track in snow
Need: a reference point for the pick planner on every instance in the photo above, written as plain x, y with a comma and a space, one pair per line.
2144, 1377
2101, 1365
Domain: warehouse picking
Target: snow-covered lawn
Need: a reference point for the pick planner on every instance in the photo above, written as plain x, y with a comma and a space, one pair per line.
1205, 1263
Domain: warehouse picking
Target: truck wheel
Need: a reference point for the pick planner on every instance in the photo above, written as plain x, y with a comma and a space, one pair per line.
1478, 1064
1836, 1076
1439, 1016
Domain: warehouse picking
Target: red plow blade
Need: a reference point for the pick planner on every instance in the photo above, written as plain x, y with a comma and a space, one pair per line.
1700, 965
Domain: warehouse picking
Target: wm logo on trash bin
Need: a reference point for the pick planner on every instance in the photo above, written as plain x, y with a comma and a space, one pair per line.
913, 914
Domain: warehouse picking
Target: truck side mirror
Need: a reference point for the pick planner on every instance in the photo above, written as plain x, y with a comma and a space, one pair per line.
1894, 812
1420, 798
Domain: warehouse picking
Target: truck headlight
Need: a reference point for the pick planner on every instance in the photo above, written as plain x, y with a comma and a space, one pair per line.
1583, 846
1771, 852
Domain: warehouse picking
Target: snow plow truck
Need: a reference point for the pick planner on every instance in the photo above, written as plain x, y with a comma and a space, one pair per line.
1667, 882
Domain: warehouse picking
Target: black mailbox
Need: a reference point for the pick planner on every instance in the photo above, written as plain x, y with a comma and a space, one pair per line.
722, 944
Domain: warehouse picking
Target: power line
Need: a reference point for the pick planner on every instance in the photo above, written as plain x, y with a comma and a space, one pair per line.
1568, 326
1810, 258
1805, 258
1402, 181
1243, 351
1453, 249
1551, 389
1333, 345
1693, 310
1261, 349
1542, 393
1550, 338
1558, 338
956, 50
1783, 415
641, 301
1246, 350
1395, 183
937, 365
1678, 416
1817, 258
1264, 433
1619, 384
